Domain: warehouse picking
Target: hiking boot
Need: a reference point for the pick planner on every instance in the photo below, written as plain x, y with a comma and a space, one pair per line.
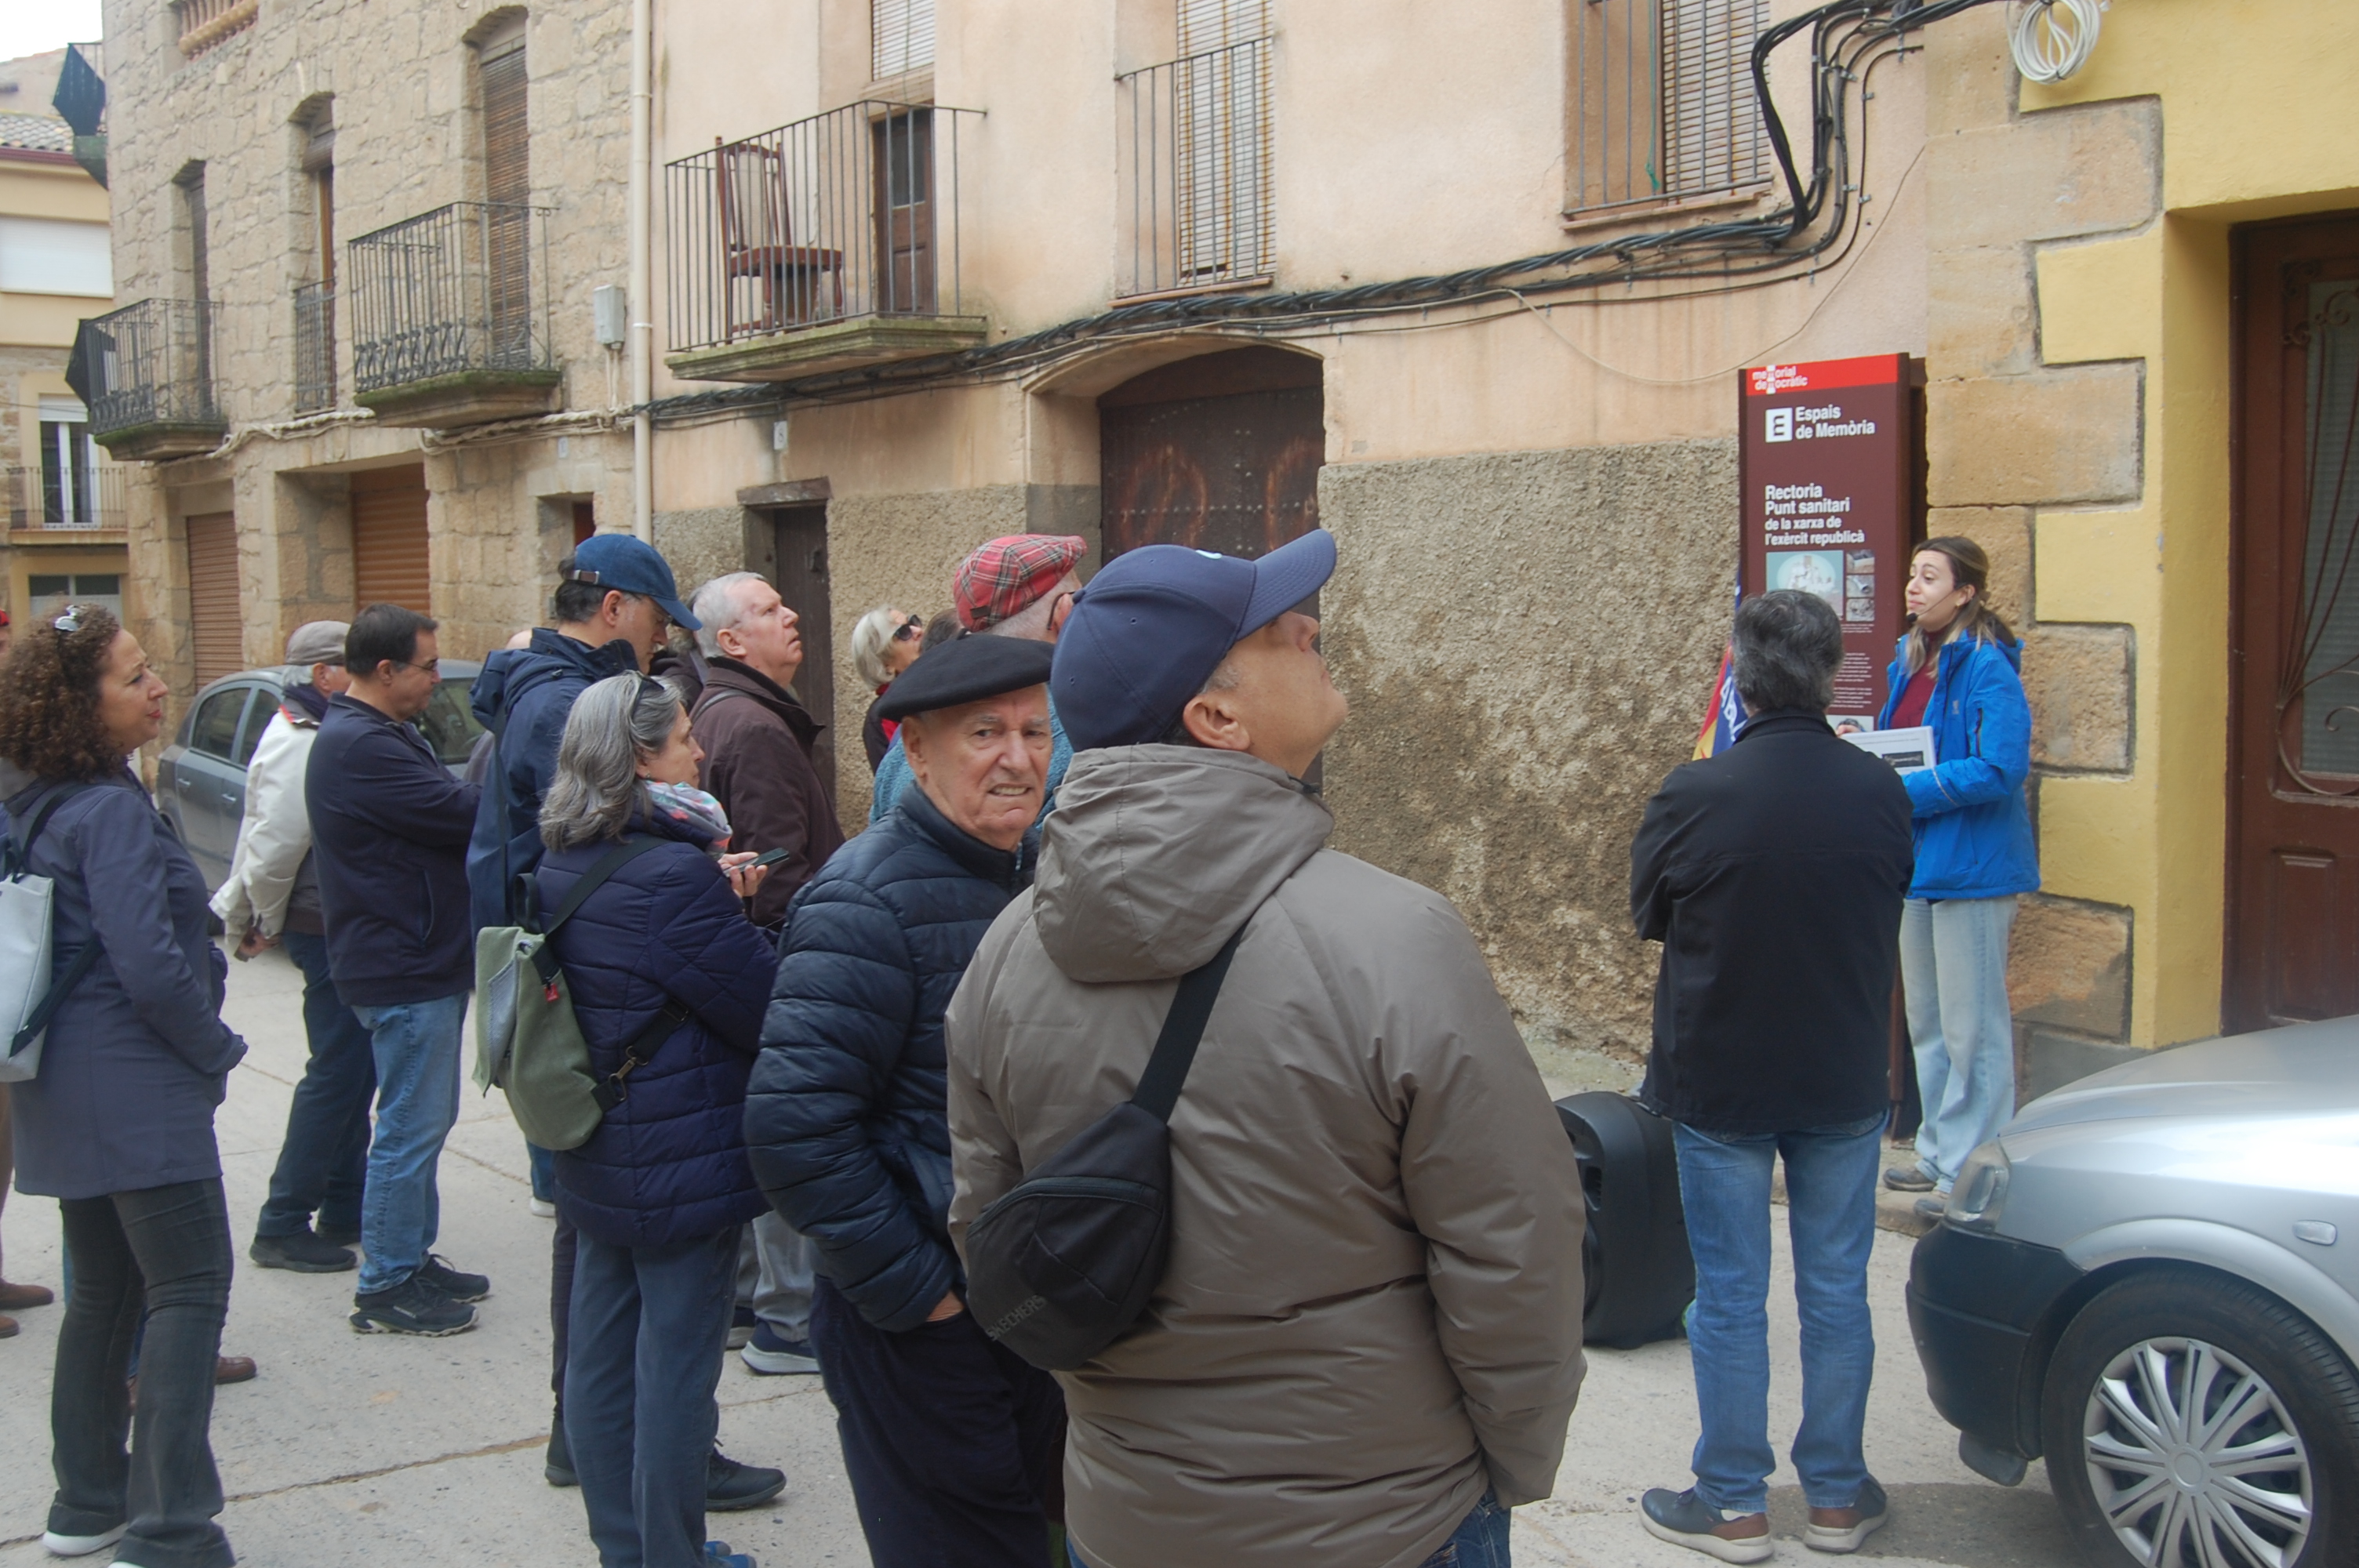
769, 1353
58, 1545
1907, 1179
1842, 1529
1685, 1519
412, 1306
303, 1252
557, 1463
732, 1487
458, 1287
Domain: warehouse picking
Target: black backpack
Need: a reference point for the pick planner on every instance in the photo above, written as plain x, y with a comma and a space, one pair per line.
1061, 1265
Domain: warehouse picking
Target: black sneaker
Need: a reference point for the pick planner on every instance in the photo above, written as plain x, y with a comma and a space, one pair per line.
730, 1488
412, 1306
458, 1287
340, 1235
557, 1465
303, 1252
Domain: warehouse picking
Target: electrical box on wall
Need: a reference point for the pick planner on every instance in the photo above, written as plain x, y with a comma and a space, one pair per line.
611, 307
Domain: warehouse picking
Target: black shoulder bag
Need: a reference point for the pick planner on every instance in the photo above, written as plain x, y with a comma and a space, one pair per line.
1061, 1265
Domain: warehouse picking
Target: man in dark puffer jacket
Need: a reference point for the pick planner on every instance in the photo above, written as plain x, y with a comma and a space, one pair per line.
952, 1444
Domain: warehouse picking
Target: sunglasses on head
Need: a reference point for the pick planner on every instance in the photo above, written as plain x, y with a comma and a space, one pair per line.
909, 630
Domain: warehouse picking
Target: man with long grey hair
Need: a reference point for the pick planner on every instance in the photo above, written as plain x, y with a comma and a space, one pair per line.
1773, 874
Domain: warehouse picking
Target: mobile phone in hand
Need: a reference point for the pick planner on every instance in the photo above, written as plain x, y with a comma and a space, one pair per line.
766, 857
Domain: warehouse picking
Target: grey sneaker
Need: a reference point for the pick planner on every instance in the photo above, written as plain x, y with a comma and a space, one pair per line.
412, 1306
1685, 1519
1909, 1179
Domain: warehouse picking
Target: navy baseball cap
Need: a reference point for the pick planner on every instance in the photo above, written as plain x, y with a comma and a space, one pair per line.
1152, 627
630, 565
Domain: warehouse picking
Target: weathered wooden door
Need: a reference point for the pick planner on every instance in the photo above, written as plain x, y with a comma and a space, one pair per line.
1219, 453
2293, 824
801, 534
904, 156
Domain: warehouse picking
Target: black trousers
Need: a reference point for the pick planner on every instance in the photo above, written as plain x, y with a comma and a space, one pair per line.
163, 1253
563, 1248
954, 1445
323, 1159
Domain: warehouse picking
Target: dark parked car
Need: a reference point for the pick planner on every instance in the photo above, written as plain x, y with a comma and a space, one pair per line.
200, 778
2145, 1279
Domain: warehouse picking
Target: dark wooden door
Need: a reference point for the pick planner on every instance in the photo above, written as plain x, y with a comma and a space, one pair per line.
801, 534
1219, 453
2293, 824
903, 156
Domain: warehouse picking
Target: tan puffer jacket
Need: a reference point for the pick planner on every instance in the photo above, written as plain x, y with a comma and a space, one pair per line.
1372, 1310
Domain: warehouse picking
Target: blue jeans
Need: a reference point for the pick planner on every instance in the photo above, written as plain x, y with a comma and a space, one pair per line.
648, 1327
1480, 1541
544, 1171
417, 1048
1953, 974
1831, 1213
323, 1161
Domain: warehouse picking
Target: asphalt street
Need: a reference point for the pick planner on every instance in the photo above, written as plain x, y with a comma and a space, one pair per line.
352, 1450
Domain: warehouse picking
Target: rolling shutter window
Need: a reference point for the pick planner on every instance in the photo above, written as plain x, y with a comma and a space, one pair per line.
214, 635
1216, 24
900, 36
389, 551
508, 140
1713, 137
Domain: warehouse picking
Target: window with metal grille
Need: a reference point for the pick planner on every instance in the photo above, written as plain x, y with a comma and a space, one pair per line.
1192, 150
900, 37
1661, 104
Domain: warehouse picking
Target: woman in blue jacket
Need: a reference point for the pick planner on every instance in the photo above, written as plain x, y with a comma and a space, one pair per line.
660, 1189
1956, 672
118, 1124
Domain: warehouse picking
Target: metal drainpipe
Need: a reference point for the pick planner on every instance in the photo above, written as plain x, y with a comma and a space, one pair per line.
643, 479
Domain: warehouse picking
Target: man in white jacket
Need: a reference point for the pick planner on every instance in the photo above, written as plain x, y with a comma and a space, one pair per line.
272, 898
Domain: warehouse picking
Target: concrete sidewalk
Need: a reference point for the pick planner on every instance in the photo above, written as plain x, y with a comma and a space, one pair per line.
369, 1450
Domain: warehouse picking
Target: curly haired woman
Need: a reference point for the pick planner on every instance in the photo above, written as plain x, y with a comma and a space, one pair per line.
118, 1124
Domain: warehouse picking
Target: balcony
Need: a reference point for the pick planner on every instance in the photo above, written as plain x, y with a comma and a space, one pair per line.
824, 245
450, 317
49, 504
151, 381
1192, 174
315, 347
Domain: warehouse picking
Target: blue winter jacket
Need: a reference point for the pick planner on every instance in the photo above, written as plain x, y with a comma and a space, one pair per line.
667, 1163
524, 696
1971, 821
848, 1116
136, 1055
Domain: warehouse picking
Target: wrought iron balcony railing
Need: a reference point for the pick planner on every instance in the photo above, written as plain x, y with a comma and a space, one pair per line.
1192, 159
73, 497
855, 213
151, 378
315, 347
458, 293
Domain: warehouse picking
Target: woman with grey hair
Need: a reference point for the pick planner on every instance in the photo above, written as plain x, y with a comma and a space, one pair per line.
883, 643
668, 979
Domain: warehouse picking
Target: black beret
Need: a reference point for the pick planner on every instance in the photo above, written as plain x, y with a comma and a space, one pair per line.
965, 670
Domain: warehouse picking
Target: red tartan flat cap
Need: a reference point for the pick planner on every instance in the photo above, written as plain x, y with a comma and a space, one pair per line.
1010, 575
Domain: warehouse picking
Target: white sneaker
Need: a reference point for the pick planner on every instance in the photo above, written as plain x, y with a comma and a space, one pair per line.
544, 1210
58, 1545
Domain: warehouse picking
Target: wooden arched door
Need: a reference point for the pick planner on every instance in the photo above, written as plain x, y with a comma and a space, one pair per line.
1219, 452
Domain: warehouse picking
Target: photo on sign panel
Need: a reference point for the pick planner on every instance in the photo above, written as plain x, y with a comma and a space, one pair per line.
1810, 571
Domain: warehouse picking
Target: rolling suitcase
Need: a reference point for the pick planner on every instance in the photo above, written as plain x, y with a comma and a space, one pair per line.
1637, 1272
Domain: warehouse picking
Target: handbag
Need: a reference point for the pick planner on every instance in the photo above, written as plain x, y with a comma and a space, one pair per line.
1062, 1264
528, 1042
30, 989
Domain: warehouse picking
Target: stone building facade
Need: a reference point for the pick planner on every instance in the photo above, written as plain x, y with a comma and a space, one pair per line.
920, 280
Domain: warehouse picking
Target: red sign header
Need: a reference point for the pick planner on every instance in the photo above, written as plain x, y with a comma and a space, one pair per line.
1823, 376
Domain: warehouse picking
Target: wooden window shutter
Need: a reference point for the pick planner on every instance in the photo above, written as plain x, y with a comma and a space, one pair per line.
900, 37
508, 141
1713, 137
1216, 24
215, 626
389, 546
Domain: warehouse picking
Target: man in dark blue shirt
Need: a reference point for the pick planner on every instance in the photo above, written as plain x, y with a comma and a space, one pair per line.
389, 830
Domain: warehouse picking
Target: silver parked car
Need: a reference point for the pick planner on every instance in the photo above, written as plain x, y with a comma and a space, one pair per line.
2151, 1279
201, 776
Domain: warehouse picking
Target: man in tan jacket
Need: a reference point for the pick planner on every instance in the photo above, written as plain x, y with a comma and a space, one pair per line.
1367, 1343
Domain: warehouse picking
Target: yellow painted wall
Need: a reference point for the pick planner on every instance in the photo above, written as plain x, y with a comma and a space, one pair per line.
2258, 121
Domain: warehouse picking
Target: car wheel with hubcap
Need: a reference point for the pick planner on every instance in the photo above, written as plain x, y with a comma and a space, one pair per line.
2194, 1421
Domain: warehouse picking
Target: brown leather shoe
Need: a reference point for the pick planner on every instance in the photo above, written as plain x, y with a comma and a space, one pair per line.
235, 1370
17, 1298
8, 1328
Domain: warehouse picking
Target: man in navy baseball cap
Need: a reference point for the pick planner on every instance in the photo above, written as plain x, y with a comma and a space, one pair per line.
626, 564
1193, 647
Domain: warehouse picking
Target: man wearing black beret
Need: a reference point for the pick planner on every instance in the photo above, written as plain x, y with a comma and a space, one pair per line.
952, 1444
